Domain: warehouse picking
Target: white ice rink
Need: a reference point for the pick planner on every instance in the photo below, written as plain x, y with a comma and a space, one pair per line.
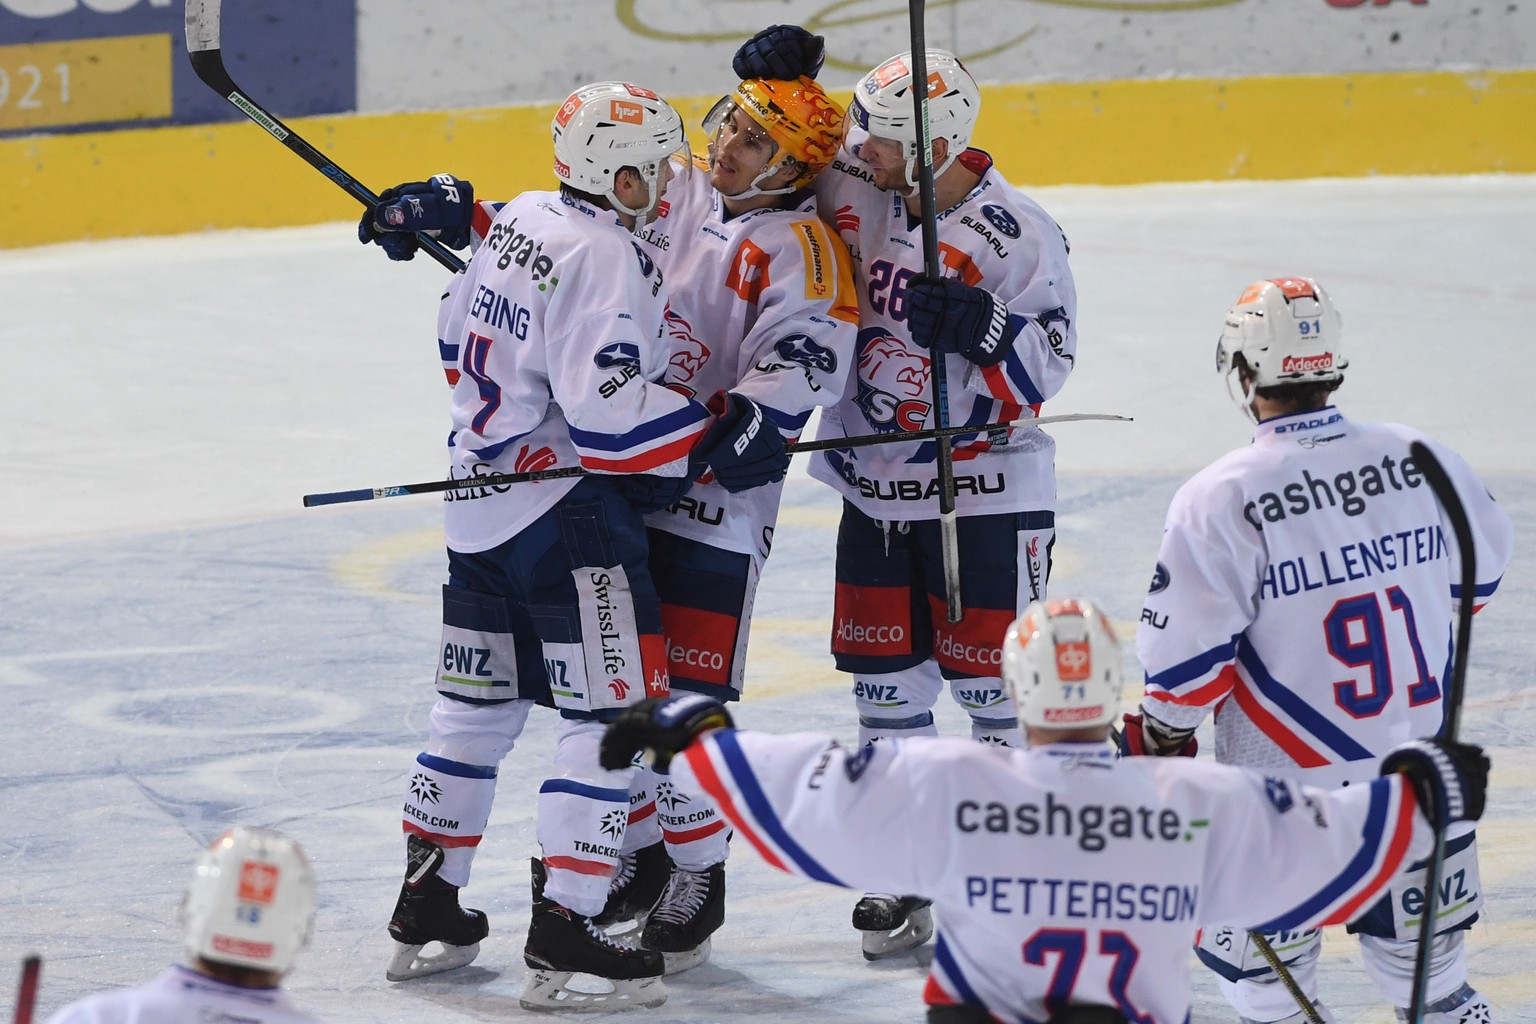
183, 647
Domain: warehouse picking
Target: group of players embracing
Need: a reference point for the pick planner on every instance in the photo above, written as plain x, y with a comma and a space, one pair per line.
668, 324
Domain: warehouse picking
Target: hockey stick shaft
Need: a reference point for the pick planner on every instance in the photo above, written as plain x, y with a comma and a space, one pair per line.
26, 992
1272, 958
1440, 482
949, 535
208, 63
799, 447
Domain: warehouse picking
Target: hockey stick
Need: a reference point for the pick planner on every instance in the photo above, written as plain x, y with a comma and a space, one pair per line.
949, 537
1272, 958
26, 992
208, 62
799, 447
1440, 482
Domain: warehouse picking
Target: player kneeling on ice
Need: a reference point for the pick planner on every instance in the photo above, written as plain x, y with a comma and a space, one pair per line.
1068, 883
248, 912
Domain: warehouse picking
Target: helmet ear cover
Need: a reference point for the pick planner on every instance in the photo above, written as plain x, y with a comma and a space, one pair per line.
250, 902
1061, 662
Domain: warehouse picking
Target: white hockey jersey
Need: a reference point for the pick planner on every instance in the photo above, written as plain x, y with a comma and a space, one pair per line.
763, 304
552, 337
998, 239
179, 996
1307, 585
1060, 873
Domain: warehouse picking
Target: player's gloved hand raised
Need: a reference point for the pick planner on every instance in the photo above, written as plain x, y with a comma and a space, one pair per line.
1147, 737
1449, 778
647, 492
444, 205
780, 51
951, 316
661, 725
743, 448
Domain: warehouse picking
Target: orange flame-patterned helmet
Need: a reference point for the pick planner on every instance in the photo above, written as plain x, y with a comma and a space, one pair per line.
799, 116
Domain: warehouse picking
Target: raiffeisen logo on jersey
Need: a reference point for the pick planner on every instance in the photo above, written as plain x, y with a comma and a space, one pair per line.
1307, 364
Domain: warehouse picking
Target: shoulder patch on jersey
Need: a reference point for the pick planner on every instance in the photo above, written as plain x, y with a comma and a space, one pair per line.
855, 765
1001, 219
807, 351
1160, 579
620, 353
1279, 793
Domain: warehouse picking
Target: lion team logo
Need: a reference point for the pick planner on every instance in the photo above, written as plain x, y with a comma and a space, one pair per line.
689, 354
893, 383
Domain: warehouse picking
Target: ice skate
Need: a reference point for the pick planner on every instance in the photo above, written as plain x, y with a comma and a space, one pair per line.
562, 945
688, 913
1464, 1006
892, 924
428, 911
638, 884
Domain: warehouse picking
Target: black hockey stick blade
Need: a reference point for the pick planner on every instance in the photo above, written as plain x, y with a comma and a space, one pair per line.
208, 63
506, 479
1445, 492
26, 992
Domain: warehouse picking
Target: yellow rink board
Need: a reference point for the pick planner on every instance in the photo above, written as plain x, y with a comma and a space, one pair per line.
175, 180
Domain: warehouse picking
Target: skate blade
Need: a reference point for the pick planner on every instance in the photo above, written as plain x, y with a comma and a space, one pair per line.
408, 961
677, 963
917, 930
569, 992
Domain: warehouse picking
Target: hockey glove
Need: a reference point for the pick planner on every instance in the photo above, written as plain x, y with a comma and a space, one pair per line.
1449, 778
780, 51
1141, 736
743, 448
951, 316
445, 205
649, 493
661, 725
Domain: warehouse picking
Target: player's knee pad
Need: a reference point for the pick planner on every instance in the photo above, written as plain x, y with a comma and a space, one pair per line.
1390, 964
448, 803
644, 829
583, 815
706, 609
695, 833
1247, 977
897, 702
475, 733
478, 655
1459, 901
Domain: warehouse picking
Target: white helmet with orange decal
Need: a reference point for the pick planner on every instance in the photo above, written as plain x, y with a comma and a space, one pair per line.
606, 126
1061, 661
1287, 331
251, 901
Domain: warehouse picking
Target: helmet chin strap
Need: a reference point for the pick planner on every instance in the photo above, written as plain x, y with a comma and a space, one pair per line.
911, 169
1242, 397
647, 213
754, 189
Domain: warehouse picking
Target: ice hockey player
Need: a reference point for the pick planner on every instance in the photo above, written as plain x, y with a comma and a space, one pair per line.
1065, 877
249, 910
556, 331
761, 305
1002, 317
1308, 583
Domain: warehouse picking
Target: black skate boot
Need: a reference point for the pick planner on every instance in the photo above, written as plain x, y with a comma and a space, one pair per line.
891, 924
561, 943
687, 914
637, 886
428, 911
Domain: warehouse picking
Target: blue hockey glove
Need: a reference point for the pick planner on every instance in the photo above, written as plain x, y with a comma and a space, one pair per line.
1147, 737
780, 51
445, 205
951, 316
743, 448
649, 493
1449, 778
662, 725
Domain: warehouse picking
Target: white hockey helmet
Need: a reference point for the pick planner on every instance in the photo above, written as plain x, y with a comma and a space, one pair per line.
251, 901
1287, 331
1061, 662
882, 107
606, 126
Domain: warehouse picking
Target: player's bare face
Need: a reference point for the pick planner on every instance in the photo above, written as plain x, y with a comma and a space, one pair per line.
740, 151
887, 160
